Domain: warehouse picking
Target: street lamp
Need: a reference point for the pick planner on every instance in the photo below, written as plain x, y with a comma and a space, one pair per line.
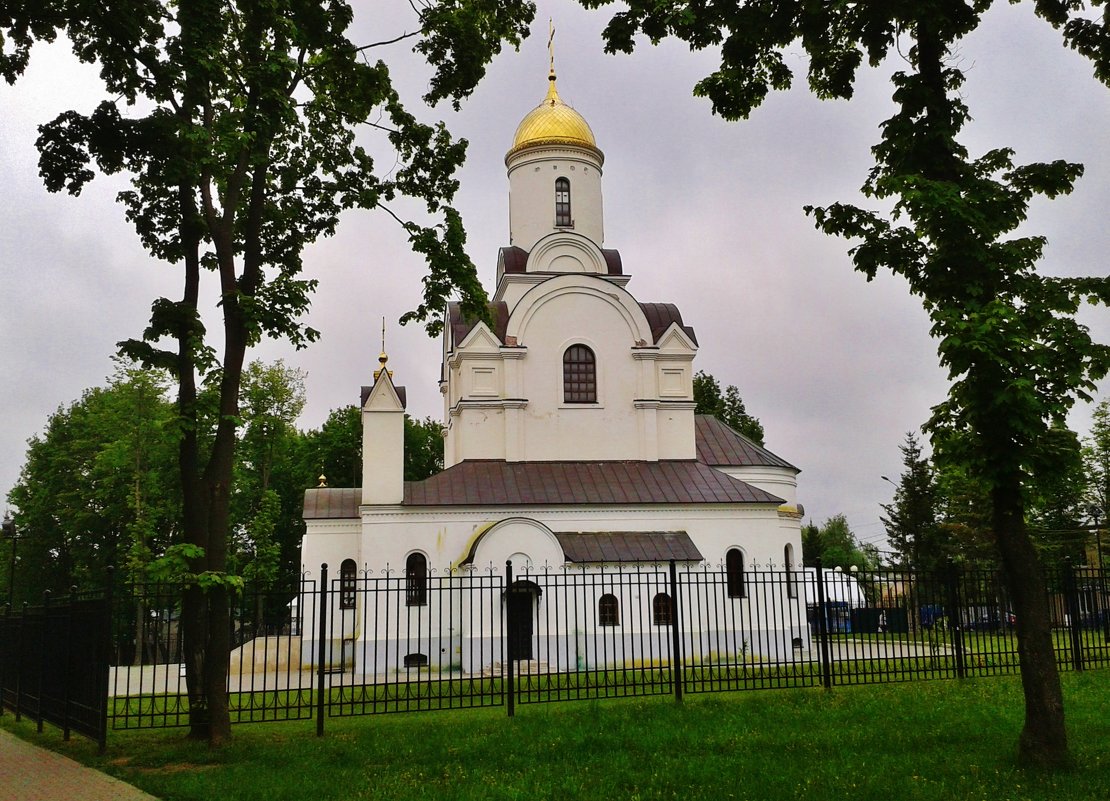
13, 535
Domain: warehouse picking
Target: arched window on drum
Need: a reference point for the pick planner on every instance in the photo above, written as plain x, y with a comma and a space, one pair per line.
562, 204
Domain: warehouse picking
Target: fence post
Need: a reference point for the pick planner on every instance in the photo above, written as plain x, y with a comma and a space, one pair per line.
955, 626
676, 636
104, 664
42, 655
67, 662
5, 650
321, 649
1071, 597
507, 640
19, 663
822, 627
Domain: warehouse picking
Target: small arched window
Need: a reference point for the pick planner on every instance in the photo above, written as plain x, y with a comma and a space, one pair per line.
661, 609
348, 583
416, 580
734, 573
608, 611
579, 375
562, 203
791, 579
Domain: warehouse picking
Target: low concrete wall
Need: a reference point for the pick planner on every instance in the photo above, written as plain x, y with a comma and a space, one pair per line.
264, 654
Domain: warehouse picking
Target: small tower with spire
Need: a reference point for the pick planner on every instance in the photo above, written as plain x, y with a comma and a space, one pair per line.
383, 436
554, 170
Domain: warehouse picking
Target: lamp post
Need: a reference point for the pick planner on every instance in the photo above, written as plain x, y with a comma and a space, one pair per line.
13, 535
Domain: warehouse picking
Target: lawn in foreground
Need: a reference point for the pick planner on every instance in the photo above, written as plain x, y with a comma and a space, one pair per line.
939, 740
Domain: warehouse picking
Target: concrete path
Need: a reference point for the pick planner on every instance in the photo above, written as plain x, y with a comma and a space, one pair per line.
30, 773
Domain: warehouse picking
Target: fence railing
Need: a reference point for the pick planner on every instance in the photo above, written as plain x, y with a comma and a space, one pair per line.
373, 643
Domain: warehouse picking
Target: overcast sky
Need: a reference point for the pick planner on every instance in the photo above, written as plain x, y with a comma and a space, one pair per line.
706, 214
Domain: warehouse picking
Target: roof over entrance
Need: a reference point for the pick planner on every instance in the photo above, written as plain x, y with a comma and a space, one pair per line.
628, 546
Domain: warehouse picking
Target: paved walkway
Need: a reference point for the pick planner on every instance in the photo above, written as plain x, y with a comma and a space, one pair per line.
30, 773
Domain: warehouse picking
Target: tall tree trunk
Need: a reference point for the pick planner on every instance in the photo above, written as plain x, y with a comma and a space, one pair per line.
1043, 740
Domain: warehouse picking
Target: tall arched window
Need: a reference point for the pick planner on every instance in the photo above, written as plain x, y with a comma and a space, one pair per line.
608, 611
416, 580
562, 203
579, 375
348, 583
661, 609
791, 579
734, 573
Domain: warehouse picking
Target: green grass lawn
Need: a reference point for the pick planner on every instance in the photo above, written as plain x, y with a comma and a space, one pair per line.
934, 740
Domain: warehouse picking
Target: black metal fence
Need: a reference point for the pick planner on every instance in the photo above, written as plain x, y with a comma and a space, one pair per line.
54, 663
373, 643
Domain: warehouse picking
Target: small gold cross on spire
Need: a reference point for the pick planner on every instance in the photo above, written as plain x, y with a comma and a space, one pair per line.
551, 45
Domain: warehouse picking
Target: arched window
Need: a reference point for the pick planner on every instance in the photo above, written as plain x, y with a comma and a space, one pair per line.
661, 609
791, 579
608, 611
734, 573
579, 375
562, 203
416, 580
348, 582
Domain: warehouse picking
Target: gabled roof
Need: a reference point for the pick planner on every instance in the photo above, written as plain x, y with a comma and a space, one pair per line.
461, 325
720, 446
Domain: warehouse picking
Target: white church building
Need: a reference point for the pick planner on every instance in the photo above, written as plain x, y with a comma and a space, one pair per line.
571, 448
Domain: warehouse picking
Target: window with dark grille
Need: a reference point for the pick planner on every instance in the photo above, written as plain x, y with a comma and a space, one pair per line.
734, 573
562, 202
416, 660
579, 375
416, 580
348, 581
661, 609
608, 611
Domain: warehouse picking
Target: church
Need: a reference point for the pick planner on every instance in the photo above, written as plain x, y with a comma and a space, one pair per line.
570, 443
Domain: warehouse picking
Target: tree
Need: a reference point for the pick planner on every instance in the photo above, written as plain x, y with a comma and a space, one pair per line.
423, 448
1096, 460
834, 545
727, 406
236, 122
1016, 356
1057, 494
98, 488
911, 520
273, 396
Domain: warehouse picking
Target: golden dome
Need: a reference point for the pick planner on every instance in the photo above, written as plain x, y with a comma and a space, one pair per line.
553, 122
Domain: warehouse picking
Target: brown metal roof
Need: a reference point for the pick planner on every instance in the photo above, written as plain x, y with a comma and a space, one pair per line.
461, 326
326, 503
612, 261
660, 316
516, 260
500, 483
628, 546
719, 445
